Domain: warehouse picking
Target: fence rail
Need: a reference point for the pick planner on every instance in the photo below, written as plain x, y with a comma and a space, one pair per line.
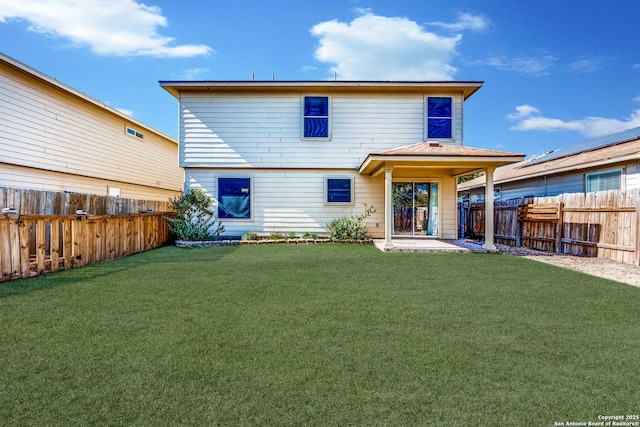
37, 202
604, 224
33, 245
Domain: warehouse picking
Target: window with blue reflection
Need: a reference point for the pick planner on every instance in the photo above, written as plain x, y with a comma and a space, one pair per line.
439, 117
234, 198
339, 190
316, 117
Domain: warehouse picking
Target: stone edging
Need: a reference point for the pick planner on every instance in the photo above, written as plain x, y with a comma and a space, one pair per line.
213, 243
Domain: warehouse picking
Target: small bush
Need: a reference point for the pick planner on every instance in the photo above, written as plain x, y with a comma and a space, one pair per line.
277, 236
250, 236
351, 228
292, 235
193, 217
310, 235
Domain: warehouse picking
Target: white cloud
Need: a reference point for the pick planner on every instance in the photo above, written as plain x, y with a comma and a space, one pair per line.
466, 21
191, 74
588, 65
528, 118
125, 111
536, 65
522, 112
108, 27
375, 47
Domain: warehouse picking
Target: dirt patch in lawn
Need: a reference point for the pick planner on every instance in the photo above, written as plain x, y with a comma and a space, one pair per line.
624, 273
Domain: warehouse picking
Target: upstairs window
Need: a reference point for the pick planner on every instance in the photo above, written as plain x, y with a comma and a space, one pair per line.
604, 181
339, 190
439, 117
316, 117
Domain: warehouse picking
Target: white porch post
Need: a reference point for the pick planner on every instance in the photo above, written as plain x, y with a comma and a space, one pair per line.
388, 207
488, 206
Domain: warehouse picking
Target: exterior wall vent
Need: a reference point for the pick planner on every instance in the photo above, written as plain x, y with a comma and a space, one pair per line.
133, 132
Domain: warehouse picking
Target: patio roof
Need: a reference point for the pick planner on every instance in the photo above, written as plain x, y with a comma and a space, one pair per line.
428, 154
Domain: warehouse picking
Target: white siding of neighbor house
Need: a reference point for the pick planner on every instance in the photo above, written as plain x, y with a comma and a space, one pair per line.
553, 185
264, 131
632, 176
48, 134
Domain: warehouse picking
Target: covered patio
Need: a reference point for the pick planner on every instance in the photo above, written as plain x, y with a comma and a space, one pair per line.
441, 165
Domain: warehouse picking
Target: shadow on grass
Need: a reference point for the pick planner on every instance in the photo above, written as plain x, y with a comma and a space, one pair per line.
88, 273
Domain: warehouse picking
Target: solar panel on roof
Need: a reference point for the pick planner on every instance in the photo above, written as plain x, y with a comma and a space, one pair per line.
602, 142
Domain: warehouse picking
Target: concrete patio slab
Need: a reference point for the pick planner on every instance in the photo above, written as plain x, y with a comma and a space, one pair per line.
430, 245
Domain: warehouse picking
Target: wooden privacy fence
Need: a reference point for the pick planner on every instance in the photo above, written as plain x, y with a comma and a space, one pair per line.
37, 202
36, 244
604, 224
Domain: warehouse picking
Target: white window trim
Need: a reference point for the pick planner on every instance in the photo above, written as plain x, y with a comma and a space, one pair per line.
622, 177
330, 127
251, 193
325, 193
453, 117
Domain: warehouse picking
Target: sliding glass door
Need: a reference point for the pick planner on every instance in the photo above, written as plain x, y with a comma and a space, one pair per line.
415, 209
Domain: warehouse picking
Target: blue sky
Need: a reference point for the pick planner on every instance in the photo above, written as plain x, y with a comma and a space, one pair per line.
556, 72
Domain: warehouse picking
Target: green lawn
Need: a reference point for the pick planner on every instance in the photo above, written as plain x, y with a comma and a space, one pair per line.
326, 335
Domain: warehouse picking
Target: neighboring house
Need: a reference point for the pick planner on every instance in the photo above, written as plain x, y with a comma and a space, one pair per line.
608, 163
55, 138
291, 156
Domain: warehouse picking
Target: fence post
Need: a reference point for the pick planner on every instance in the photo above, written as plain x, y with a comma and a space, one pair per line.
24, 250
559, 228
41, 246
519, 227
637, 231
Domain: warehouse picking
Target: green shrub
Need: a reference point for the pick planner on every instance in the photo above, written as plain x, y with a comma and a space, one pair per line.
310, 235
351, 228
250, 236
277, 236
292, 235
193, 218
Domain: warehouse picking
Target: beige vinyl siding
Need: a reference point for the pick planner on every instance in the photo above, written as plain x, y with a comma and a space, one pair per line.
249, 131
40, 179
293, 201
45, 127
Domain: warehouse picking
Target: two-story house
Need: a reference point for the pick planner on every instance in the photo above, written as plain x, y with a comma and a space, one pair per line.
56, 138
290, 156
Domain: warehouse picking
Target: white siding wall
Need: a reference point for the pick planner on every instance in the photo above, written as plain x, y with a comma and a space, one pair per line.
633, 176
253, 131
293, 201
46, 128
